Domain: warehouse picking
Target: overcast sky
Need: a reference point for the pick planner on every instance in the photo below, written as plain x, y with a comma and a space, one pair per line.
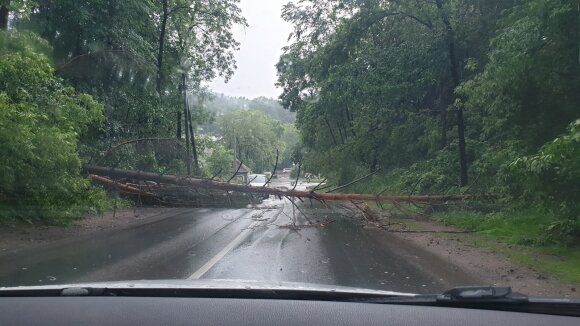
260, 49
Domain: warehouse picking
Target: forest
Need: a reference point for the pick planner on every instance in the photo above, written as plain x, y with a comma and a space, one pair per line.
77, 78
444, 97
434, 97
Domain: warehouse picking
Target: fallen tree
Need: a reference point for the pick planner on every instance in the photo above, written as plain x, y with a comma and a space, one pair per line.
199, 183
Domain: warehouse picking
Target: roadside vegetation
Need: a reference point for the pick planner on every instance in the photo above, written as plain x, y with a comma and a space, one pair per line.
446, 97
527, 236
79, 77
42, 120
121, 84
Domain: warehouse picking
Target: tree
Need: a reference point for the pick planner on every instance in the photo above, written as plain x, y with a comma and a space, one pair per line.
41, 121
528, 89
253, 138
140, 59
377, 83
219, 162
219, 104
204, 43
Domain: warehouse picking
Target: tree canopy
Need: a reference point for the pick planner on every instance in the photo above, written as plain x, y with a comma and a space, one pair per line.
79, 77
435, 93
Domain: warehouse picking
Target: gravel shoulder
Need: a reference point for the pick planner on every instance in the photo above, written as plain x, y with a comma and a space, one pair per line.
480, 257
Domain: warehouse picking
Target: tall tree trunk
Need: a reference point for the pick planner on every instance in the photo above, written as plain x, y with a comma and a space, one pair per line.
4, 14
187, 139
192, 138
345, 131
341, 136
578, 15
178, 133
443, 125
162, 32
462, 148
350, 119
331, 132
454, 66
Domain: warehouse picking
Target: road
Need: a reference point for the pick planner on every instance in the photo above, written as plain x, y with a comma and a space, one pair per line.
271, 242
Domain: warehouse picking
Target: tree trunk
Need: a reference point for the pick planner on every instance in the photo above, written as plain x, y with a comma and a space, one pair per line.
185, 111
178, 133
344, 131
331, 132
578, 15
192, 137
462, 148
210, 184
444, 125
350, 120
4, 15
454, 66
341, 136
164, 18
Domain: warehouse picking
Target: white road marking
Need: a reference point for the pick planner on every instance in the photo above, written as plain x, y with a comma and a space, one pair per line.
237, 240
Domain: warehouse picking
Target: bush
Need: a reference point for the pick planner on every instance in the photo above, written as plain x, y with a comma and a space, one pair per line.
41, 120
551, 177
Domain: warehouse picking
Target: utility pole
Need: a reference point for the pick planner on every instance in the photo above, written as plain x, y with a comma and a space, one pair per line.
185, 110
192, 137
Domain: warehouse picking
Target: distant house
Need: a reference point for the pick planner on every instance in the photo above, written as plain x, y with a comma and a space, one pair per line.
243, 172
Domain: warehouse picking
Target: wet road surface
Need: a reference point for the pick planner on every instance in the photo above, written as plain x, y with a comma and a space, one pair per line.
271, 242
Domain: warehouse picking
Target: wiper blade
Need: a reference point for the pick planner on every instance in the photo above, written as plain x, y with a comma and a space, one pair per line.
488, 298
481, 294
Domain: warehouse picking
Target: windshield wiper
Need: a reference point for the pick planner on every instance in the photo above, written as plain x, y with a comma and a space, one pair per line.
481, 294
488, 298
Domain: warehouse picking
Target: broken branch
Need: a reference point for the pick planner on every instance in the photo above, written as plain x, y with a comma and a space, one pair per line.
274, 171
140, 140
236, 173
297, 176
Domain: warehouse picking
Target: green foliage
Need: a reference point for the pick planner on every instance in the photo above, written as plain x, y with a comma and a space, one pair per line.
254, 138
552, 176
539, 240
372, 84
220, 104
41, 121
132, 57
370, 92
219, 162
523, 227
528, 89
138, 59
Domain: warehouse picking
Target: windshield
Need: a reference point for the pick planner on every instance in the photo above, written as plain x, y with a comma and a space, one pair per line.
402, 145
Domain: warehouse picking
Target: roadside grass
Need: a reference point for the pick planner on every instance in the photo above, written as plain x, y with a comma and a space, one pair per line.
521, 237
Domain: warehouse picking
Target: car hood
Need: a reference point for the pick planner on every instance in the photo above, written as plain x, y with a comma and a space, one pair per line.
216, 284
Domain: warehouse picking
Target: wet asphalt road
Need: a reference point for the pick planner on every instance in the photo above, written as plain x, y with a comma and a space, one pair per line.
271, 242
